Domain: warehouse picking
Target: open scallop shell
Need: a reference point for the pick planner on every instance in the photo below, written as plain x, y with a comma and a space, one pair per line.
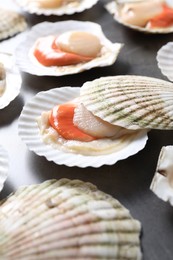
30, 134
11, 23
66, 219
112, 8
133, 102
69, 9
165, 60
4, 165
13, 80
27, 62
162, 183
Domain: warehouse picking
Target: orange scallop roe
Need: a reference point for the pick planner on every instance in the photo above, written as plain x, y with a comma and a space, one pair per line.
164, 19
47, 53
61, 119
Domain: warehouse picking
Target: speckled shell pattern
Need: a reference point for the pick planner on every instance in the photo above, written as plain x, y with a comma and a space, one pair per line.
133, 102
11, 23
66, 219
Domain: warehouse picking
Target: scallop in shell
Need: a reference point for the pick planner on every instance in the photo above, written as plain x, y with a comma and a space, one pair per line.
55, 7
11, 23
122, 13
4, 165
162, 183
44, 142
27, 61
64, 220
165, 60
133, 102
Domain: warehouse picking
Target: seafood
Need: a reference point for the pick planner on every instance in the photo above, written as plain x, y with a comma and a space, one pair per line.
60, 48
44, 140
67, 48
11, 23
55, 7
154, 16
2, 79
73, 128
66, 219
162, 183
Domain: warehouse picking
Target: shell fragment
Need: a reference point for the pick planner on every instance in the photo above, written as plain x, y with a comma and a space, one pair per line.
162, 183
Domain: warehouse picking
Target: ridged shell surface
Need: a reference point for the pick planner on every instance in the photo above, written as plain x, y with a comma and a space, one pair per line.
165, 60
11, 23
69, 9
133, 102
4, 166
113, 8
66, 220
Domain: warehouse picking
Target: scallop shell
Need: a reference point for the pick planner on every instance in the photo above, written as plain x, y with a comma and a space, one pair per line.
162, 183
4, 165
165, 60
69, 9
112, 8
11, 23
30, 134
110, 50
13, 80
133, 102
66, 220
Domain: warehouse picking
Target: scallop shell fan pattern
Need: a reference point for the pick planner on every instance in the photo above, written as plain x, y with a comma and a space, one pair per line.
66, 220
133, 102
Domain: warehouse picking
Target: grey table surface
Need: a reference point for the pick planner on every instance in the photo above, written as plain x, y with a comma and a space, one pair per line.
128, 180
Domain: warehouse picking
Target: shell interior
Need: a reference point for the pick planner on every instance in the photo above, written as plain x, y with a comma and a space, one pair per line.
133, 102
108, 55
11, 23
113, 7
69, 9
64, 220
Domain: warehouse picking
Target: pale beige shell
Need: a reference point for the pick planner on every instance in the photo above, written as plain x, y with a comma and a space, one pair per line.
113, 8
66, 219
133, 102
162, 183
11, 23
68, 9
165, 60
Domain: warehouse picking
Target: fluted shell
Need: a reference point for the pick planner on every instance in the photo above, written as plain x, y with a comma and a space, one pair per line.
11, 23
4, 166
133, 102
165, 60
162, 183
66, 220
113, 8
77, 6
